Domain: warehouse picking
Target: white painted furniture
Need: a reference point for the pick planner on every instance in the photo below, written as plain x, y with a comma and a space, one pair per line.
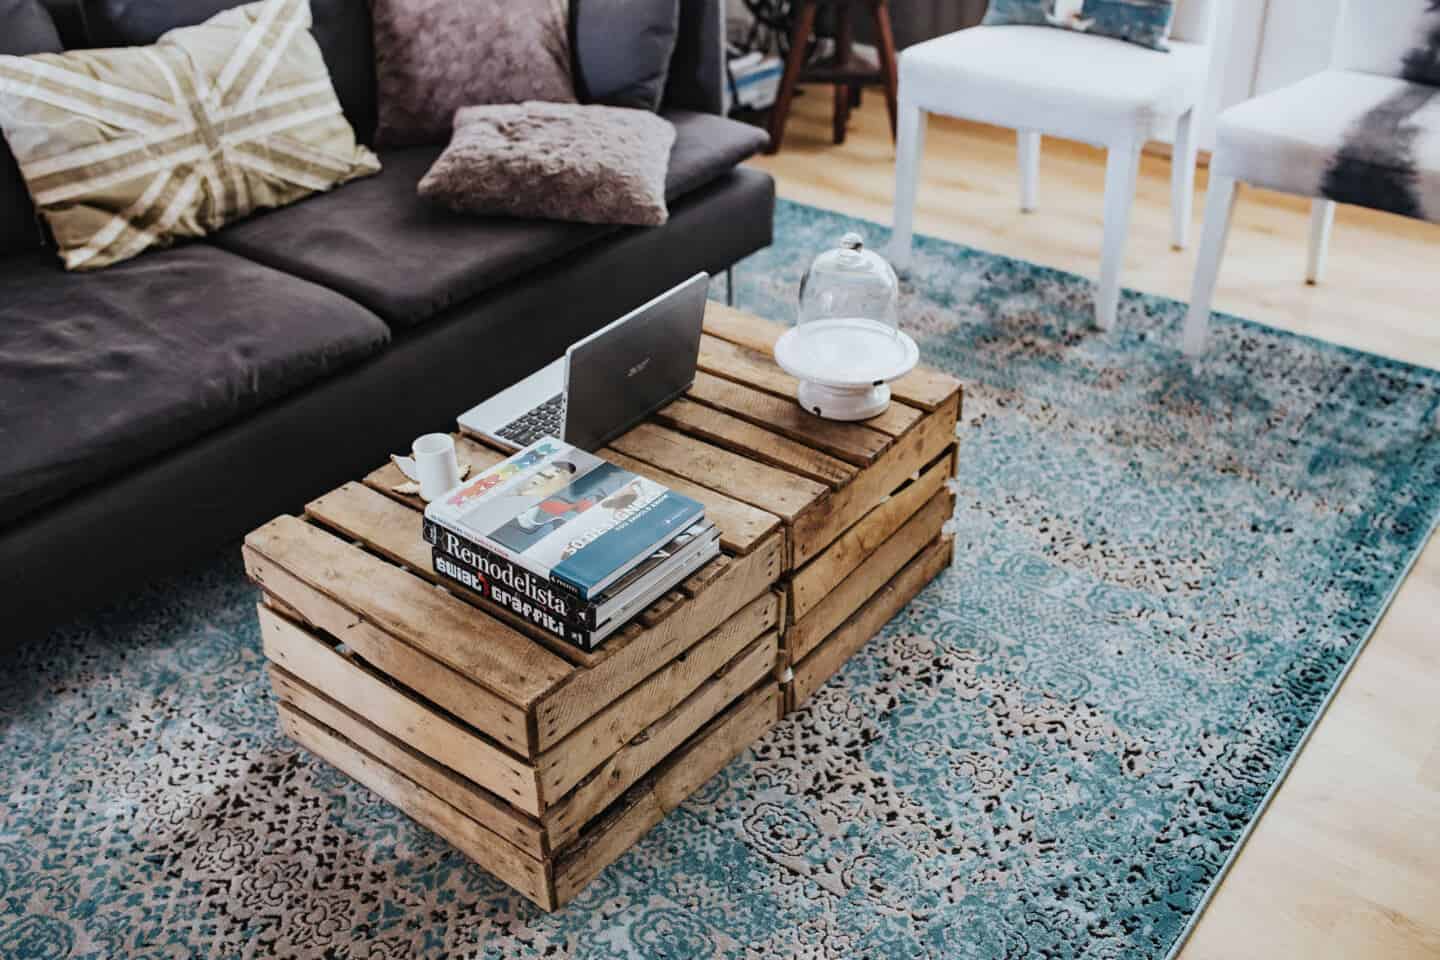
1045, 80
1358, 132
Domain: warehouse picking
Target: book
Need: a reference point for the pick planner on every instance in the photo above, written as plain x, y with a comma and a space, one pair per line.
565, 516
508, 591
585, 615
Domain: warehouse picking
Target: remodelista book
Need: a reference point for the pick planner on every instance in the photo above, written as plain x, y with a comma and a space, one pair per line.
689, 550
565, 515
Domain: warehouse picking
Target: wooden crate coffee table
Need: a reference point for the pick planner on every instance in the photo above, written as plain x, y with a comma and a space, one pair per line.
540, 762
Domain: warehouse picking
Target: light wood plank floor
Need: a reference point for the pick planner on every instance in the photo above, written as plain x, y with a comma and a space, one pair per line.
1346, 863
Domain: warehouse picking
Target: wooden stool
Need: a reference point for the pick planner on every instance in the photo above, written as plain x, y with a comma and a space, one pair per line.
844, 70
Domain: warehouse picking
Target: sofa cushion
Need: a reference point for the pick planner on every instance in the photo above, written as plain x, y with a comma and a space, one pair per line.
25, 28
433, 57
707, 147
341, 27
381, 245
104, 370
623, 68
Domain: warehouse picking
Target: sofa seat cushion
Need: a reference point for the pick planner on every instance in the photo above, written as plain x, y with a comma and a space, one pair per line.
408, 260
104, 370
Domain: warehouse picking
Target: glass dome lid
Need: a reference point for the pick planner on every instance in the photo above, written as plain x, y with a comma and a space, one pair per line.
847, 336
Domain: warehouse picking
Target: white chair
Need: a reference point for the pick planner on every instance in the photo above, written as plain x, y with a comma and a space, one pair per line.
1359, 133
1077, 86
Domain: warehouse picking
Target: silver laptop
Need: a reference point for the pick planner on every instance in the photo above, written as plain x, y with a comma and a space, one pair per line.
606, 383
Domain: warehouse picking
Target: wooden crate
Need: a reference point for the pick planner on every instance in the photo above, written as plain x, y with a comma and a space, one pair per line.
857, 502
517, 749
544, 763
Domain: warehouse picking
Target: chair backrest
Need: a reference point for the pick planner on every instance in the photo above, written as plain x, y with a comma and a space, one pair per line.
1195, 20
1392, 38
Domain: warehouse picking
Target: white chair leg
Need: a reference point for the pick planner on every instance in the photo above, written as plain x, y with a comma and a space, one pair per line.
1122, 166
1029, 145
910, 137
1219, 208
1182, 181
1322, 223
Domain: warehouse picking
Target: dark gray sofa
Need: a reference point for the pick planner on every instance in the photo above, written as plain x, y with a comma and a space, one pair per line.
157, 410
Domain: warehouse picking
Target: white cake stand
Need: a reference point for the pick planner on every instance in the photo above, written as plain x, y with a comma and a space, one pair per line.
844, 365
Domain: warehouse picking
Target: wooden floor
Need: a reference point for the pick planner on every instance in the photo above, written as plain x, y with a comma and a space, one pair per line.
1346, 863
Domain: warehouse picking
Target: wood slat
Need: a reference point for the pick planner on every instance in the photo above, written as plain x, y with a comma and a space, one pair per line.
741, 525
724, 739
566, 764
470, 702
769, 488
657, 612
731, 361
876, 570
465, 795
621, 827
453, 632
640, 653
399, 713
529, 876
568, 816
818, 528
700, 580
854, 443
703, 756
830, 655
810, 584
754, 442
924, 387
385, 478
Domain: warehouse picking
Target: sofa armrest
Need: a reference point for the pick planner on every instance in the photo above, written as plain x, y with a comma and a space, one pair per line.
697, 68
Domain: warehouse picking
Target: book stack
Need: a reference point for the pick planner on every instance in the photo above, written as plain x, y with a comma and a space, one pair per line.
567, 542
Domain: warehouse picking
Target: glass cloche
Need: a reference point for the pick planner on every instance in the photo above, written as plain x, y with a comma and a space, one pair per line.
846, 344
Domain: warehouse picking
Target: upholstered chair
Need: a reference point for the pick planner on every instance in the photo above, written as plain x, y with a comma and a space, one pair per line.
1365, 132
1074, 85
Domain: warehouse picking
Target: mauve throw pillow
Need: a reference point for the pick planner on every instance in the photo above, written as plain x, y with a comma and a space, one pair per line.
555, 161
434, 56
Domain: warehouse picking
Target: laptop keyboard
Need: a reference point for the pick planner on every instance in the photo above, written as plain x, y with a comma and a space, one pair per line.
546, 420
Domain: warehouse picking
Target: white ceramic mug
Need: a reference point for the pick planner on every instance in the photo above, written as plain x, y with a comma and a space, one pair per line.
434, 467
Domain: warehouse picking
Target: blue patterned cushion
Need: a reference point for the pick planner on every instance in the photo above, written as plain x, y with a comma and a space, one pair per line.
1146, 22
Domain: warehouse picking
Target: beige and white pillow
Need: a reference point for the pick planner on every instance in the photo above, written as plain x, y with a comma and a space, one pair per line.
555, 161
132, 148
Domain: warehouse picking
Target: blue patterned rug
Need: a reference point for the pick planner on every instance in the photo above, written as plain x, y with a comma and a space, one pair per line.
1162, 573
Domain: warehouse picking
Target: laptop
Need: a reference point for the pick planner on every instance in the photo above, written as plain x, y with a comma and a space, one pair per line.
605, 383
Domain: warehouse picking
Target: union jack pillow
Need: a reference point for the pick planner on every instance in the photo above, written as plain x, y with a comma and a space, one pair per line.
131, 148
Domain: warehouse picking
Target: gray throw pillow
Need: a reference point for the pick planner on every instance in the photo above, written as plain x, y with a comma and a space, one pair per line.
623, 50
555, 161
434, 56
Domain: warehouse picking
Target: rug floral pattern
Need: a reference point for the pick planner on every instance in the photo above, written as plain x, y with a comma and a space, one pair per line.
1161, 572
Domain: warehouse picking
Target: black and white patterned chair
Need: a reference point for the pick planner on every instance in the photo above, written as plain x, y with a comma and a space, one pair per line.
1364, 132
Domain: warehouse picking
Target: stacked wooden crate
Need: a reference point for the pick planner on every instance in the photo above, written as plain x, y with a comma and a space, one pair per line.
862, 504
540, 762
544, 763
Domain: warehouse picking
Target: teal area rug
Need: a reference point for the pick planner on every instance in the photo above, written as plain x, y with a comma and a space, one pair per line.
1162, 573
